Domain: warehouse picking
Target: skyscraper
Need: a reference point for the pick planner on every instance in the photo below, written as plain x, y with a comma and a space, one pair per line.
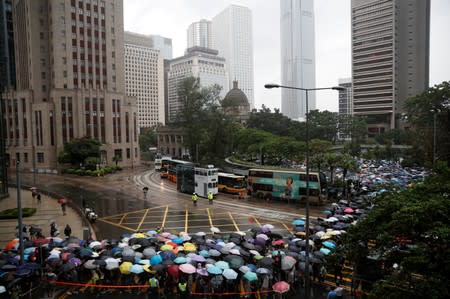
7, 66
233, 38
345, 96
390, 58
70, 82
200, 63
199, 34
163, 44
144, 78
297, 56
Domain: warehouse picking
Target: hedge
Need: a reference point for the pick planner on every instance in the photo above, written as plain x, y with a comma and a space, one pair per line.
88, 172
13, 213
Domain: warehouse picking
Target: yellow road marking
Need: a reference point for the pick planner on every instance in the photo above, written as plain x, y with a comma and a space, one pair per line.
142, 221
186, 220
209, 217
123, 217
234, 222
286, 227
165, 216
118, 225
256, 220
133, 212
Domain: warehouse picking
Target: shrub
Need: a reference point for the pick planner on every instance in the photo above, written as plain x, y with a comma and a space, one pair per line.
13, 213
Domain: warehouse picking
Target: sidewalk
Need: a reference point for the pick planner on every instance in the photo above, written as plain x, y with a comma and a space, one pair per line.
47, 210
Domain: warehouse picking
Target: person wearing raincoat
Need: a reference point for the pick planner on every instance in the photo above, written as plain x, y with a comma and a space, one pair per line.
194, 198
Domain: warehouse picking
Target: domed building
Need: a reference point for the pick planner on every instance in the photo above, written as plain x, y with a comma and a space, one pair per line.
236, 105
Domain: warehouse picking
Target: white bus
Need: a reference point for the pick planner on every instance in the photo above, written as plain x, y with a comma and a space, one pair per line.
158, 162
206, 180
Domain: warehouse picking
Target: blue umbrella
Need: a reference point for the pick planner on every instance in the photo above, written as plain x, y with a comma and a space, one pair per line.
214, 270
329, 244
178, 241
155, 260
222, 265
250, 276
204, 253
180, 260
136, 269
297, 222
325, 251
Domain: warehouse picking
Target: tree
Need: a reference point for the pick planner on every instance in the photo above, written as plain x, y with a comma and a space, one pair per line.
412, 230
77, 150
323, 125
331, 161
427, 111
347, 163
147, 138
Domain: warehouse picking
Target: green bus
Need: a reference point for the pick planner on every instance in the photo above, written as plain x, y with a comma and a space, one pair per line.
286, 185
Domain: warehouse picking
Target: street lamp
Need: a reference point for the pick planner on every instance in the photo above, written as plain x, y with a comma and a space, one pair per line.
272, 85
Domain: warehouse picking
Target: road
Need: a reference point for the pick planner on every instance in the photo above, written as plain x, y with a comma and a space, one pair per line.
119, 201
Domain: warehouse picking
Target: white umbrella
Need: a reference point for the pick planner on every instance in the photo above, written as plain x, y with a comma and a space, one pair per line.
263, 236
90, 265
269, 226
149, 252
235, 251
214, 229
200, 234
229, 245
229, 274
111, 263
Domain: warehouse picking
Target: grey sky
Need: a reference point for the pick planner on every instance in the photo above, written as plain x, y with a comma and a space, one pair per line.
171, 18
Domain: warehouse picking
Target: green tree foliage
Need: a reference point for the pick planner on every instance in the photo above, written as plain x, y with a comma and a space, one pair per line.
331, 161
323, 125
77, 150
422, 110
410, 229
147, 139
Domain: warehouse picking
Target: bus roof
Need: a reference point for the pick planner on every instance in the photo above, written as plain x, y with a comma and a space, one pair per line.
282, 170
231, 175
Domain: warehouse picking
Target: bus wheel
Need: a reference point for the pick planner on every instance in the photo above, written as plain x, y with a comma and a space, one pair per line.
268, 197
259, 195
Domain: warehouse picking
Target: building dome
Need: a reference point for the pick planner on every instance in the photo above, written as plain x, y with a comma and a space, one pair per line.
235, 104
236, 97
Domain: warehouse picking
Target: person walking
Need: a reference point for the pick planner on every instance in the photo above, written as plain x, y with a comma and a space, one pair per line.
194, 198
67, 231
63, 203
182, 288
210, 197
38, 196
53, 229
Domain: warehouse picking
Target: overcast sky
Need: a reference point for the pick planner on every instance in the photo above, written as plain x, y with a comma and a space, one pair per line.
171, 18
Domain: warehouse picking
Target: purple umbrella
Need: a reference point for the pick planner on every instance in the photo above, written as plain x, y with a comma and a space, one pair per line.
198, 258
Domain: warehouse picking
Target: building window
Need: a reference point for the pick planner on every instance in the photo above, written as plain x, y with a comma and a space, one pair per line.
128, 153
25, 157
40, 157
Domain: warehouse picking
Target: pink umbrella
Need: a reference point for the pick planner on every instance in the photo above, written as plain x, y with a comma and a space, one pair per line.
281, 287
187, 268
348, 210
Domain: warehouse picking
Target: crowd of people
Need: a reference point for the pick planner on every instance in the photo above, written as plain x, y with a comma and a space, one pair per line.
259, 262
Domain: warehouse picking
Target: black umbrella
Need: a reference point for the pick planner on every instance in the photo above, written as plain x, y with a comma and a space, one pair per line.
248, 245
234, 261
266, 262
100, 262
244, 252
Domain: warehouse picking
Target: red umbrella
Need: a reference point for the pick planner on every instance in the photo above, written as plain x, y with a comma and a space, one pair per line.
281, 287
348, 210
62, 201
40, 241
278, 242
11, 244
173, 270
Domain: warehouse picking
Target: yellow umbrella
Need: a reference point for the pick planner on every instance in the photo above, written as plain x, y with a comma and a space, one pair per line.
138, 235
189, 247
325, 237
125, 267
166, 247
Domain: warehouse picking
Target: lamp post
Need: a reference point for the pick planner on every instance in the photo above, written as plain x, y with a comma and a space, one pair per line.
269, 86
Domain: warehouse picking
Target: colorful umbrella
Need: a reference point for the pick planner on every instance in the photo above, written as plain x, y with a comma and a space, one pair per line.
329, 244
214, 270
155, 260
298, 222
222, 265
229, 274
180, 260
125, 267
173, 270
13, 244
250, 276
281, 287
136, 269
187, 268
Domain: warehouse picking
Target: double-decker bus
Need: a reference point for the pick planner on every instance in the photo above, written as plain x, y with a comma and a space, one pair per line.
164, 170
172, 168
159, 162
200, 180
286, 184
231, 183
